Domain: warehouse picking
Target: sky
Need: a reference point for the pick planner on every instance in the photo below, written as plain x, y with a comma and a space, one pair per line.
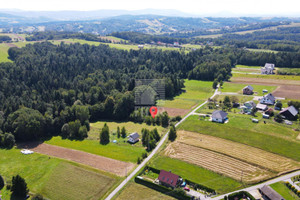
255, 7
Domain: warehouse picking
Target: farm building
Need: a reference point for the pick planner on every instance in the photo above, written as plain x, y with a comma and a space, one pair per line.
133, 137
268, 68
168, 179
248, 90
289, 113
268, 99
219, 116
261, 107
268, 193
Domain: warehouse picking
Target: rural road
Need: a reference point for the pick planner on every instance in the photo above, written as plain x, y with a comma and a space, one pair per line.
281, 178
113, 193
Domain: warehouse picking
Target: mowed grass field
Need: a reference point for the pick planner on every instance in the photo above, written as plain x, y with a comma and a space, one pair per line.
284, 191
121, 150
221, 184
262, 76
55, 178
196, 92
3, 53
134, 191
238, 88
272, 137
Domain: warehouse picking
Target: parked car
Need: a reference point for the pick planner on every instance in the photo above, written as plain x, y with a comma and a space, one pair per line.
186, 189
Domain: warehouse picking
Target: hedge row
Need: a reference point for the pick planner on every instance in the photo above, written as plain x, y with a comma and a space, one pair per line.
239, 195
291, 187
162, 189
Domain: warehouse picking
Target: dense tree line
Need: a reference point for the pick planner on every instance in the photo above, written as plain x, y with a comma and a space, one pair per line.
53, 35
51, 89
5, 38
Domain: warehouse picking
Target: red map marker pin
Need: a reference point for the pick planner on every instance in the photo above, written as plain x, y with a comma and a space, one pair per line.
153, 111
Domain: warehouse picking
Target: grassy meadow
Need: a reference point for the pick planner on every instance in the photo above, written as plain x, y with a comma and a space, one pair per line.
196, 92
238, 88
55, 178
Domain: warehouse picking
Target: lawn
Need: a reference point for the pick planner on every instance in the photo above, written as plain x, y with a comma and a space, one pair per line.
284, 191
196, 92
260, 76
54, 178
238, 88
129, 126
3, 53
292, 71
120, 151
134, 191
272, 137
196, 174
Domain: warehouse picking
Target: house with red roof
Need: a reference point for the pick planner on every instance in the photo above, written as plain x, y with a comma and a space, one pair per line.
168, 179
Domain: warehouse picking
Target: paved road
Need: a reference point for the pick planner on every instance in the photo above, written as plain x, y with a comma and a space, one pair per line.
111, 195
281, 178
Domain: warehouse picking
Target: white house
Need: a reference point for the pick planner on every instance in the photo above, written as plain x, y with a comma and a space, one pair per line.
133, 137
268, 68
219, 116
268, 99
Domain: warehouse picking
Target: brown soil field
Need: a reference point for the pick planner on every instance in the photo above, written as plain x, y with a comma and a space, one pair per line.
174, 111
217, 162
266, 81
252, 155
288, 91
99, 162
11, 45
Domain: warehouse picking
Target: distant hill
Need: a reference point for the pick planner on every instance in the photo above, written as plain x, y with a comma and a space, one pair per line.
104, 22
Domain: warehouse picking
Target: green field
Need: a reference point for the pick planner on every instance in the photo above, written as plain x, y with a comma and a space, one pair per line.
284, 191
238, 88
120, 151
196, 174
134, 191
280, 138
55, 178
291, 71
3, 53
196, 92
260, 76
129, 126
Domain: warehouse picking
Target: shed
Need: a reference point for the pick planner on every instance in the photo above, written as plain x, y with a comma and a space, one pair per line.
248, 90
261, 107
268, 193
289, 113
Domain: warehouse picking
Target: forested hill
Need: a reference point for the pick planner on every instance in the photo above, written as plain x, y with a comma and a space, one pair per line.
69, 82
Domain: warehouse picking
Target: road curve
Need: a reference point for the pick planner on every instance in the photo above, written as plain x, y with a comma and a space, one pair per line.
113, 193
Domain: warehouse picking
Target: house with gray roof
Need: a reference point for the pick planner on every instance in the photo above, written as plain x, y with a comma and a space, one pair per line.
268, 193
268, 68
248, 90
133, 137
289, 113
219, 116
268, 99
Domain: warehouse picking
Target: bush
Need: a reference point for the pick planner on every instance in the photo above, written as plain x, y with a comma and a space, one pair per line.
139, 160
278, 118
19, 186
1, 182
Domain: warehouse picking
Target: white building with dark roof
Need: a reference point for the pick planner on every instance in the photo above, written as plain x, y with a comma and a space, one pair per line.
219, 116
133, 137
268, 99
268, 68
